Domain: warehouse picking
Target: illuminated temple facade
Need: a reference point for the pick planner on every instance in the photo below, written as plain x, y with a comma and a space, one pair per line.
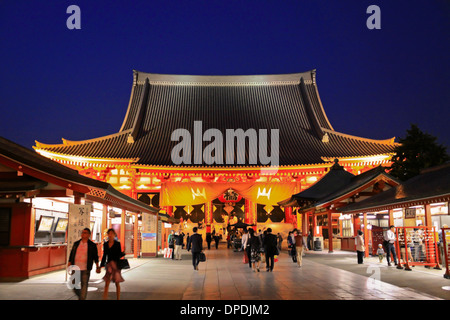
137, 159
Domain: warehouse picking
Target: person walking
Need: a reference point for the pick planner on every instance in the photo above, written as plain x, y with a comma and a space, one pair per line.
171, 241
280, 241
208, 239
255, 245
246, 246
360, 248
390, 247
270, 249
216, 240
178, 245
228, 240
291, 245
299, 244
309, 240
441, 247
83, 255
195, 245
112, 252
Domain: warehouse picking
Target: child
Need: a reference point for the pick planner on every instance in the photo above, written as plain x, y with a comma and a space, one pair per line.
380, 252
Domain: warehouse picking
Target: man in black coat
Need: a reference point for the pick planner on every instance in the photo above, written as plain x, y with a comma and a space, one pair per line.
270, 249
208, 239
195, 244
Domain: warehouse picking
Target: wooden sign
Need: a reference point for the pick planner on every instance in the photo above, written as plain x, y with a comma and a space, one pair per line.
410, 213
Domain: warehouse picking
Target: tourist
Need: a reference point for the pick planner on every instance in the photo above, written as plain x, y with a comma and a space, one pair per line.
112, 252
299, 244
270, 249
255, 245
208, 239
178, 245
390, 247
216, 240
171, 241
280, 241
83, 254
309, 240
360, 247
291, 245
246, 246
380, 252
187, 238
195, 244
407, 246
228, 240
418, 244
441, 245
182, 239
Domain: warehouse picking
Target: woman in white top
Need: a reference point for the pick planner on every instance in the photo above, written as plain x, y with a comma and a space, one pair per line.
360, 248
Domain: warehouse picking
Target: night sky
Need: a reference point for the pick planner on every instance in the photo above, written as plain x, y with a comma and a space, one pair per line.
75, 84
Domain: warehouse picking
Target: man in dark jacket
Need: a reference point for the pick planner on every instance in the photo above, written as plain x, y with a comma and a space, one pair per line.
270, 249
83, 254
208, 239
195, 244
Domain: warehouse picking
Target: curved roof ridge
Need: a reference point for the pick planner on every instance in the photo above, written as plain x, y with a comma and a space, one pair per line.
75, 157
158, 78
390, 141
66, 142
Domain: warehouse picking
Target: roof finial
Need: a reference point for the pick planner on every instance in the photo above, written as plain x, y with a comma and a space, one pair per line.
336, 165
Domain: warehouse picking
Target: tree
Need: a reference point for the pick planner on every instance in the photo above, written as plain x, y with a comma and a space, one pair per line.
417, 151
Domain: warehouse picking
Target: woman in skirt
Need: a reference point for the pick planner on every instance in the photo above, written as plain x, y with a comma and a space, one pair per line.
112, 252
255, 254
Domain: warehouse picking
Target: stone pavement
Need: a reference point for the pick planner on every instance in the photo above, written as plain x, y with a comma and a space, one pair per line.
224, 277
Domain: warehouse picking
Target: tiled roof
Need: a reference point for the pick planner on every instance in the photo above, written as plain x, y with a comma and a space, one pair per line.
432, 183
26, 157
160, 104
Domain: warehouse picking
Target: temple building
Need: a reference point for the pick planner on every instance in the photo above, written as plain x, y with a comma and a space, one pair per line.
289, 144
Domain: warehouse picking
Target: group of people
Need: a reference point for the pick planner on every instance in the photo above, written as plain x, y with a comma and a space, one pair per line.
176, 243
84, 254
296, 245
387, 248
411, 246
213, 236
255, 245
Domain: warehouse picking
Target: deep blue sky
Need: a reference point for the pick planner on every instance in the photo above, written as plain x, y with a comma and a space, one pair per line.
56, 82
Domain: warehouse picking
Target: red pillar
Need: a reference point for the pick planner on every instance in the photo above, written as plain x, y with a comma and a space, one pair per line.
330, 232
288, 215
122, 229
366, 236
135, 238
314, 223
247, 211
208, 216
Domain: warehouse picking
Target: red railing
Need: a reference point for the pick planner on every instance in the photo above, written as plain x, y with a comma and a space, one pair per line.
417, 246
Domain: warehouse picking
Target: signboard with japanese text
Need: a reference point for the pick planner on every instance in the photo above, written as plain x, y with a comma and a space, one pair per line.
149, 234
79, 218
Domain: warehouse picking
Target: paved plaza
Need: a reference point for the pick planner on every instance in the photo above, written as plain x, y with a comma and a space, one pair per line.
224, 277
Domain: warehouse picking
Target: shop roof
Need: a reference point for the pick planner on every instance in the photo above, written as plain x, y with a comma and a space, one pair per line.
34, 165
432, 185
